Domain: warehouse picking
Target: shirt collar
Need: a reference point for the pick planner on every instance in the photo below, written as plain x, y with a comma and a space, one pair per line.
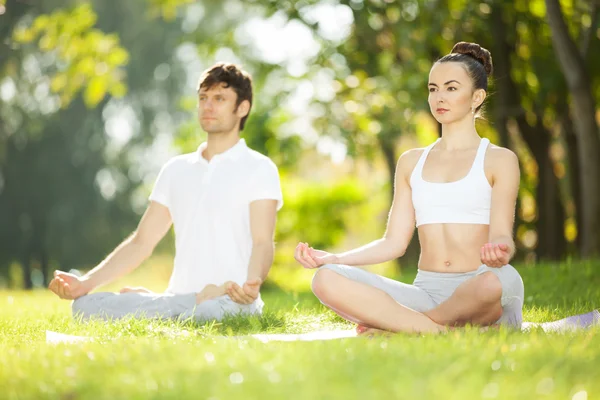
232, 153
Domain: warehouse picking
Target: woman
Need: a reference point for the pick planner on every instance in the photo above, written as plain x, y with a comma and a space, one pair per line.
460, 192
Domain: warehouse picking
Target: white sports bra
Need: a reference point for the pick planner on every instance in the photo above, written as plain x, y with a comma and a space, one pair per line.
465, 201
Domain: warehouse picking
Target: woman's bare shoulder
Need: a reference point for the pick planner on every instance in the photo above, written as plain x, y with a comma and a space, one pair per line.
501, 155
502, 162
408, 160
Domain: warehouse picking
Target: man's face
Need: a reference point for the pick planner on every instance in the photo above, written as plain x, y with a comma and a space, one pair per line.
217, 109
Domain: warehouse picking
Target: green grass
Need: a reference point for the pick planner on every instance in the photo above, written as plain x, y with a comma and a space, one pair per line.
133, 359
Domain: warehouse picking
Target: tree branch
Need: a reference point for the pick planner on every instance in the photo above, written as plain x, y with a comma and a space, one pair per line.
566, 49
586, 35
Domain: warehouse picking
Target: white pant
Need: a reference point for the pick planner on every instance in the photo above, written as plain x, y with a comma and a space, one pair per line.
107, 305
432, 288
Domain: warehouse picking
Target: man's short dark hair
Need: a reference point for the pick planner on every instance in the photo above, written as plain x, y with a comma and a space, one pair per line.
230, 75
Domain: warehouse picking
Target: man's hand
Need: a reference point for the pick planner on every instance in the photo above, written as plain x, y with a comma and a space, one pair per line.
136, 289
68, 286
246, 294
495, 255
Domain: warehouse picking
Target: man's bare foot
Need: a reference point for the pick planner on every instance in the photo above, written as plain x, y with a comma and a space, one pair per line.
210, 292
137, 289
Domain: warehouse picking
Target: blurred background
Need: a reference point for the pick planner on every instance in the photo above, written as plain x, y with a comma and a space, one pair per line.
96, 95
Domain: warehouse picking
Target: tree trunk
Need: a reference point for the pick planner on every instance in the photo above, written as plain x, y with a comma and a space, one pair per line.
27, 282
587, 35
45, 265
550, 219
502, 107
584, 114
574, 166
501, 51
549, 229
389, 154
41, 250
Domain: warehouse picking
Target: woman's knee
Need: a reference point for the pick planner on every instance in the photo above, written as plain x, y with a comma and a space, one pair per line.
489, 288
323, 282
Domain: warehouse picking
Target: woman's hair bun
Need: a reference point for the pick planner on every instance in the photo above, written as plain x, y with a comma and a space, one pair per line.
477, 52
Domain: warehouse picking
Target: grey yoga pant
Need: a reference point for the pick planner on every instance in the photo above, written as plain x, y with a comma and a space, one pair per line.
110, 306
432, 288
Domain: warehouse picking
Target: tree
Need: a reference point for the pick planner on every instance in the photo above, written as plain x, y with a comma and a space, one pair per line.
69, 193
381, 70
584, 119
66, 194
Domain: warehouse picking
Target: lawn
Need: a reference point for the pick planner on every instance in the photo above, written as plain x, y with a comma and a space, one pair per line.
150, 359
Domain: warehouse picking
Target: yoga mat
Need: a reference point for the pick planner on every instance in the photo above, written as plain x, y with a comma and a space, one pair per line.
569, 324
572, 323
55, 338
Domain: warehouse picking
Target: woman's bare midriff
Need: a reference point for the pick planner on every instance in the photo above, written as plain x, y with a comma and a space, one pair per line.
451, 247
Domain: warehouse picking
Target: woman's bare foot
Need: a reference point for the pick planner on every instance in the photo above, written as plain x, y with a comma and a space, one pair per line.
367, 331
495, 327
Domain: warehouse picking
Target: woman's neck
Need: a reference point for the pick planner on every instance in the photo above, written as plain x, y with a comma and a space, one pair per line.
459, 135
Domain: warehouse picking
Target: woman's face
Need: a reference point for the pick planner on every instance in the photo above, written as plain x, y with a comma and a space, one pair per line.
451, 94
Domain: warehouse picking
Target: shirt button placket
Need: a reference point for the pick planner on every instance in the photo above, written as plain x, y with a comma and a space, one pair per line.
209, 172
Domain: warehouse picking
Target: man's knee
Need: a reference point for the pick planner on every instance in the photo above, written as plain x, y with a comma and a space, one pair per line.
81, 307
323, 283
88, 305
489, 288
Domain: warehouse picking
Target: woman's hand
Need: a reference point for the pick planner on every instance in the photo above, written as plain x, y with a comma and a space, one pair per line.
495, 255
311, 258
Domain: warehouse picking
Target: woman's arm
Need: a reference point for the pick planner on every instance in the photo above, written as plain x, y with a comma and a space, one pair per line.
399, 231
505, 189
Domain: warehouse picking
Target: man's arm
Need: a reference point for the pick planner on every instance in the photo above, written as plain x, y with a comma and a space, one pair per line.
263, 215
505, 189
153, 226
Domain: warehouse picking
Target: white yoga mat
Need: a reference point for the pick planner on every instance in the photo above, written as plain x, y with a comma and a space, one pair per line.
569, 324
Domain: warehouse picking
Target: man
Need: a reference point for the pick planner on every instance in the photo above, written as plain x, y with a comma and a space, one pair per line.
221, 199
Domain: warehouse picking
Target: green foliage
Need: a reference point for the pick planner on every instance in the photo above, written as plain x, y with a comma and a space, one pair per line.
91, 60
316, 212
57, 163
381, 71
89, 53
167, 9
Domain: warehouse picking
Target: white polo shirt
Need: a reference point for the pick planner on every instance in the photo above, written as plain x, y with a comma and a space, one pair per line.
209, 204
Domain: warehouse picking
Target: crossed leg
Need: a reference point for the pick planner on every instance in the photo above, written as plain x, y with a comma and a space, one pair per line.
113, 306
475, 301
